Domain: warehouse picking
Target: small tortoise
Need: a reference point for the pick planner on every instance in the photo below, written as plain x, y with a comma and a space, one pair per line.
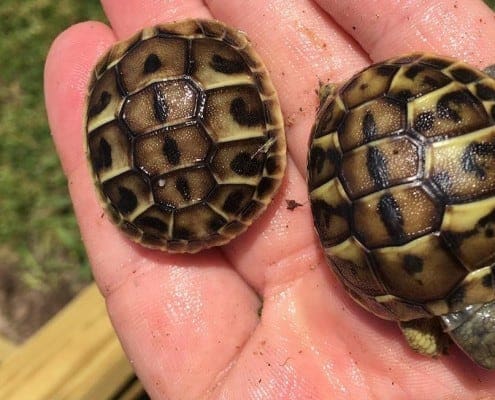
184, 135
401, 176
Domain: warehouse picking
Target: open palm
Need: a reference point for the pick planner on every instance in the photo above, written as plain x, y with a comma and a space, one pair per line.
191, 324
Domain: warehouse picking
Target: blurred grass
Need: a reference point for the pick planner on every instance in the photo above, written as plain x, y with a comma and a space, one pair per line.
38, 232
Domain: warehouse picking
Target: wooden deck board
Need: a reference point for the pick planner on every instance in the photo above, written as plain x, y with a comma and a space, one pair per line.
6, 348
75, 356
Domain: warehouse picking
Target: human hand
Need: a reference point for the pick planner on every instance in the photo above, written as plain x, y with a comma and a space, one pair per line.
190, 323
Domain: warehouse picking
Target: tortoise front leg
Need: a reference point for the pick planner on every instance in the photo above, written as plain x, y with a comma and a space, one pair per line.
425, 336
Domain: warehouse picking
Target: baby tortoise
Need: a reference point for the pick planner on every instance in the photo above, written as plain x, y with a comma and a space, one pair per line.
184, 135
401, 176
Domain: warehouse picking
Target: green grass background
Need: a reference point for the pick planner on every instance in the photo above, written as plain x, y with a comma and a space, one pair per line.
38, 233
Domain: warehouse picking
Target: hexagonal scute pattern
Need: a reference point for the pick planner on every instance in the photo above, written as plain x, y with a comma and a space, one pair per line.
401, 175
185, 135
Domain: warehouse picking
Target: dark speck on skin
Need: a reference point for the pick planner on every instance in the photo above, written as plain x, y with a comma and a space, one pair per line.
292, 204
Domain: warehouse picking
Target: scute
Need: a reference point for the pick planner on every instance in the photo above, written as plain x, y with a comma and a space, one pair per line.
184, 135
401, 169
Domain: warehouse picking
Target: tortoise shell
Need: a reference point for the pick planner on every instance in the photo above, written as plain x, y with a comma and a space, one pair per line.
401, 175
184, 135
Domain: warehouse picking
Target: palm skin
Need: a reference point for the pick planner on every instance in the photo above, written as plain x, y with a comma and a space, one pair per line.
190, 323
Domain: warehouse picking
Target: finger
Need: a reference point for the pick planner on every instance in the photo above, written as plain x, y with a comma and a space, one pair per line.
300, 45
127, 17
182, 326
389, 28
78, 53
69, 62
212, 305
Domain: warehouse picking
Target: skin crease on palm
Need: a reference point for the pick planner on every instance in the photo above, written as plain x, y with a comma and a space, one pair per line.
190, 324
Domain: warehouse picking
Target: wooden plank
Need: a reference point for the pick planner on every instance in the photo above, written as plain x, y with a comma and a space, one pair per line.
75, 356
6, 348
132, 391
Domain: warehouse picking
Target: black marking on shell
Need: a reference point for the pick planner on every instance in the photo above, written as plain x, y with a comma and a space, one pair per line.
486, 224
102, 103
457, 296
334, 156
226, 66
130, 229
487, 281
246, 165
437, 63
153, 223
216, 222
442, 181
432, 82
376, 163
485, 92
469, 159
386, 70
414, 70
171, 150
318, 156
272, 165
152, 64
243, 115
403, 96
455, 239
250, 210
265, 186
323, 211
424, 121
160, 107
233, 202
391, 216
183, 234
322, 214
182, 185
104, 155
464, 75
369, 126
492, 111
457, 98
413, 264
127, 202
317, 159
152, 239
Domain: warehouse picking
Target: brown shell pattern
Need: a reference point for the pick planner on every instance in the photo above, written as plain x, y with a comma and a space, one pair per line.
401, 174
184, 135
